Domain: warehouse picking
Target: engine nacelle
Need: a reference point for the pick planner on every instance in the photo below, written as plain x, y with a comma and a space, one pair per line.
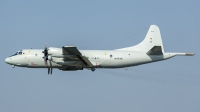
50, 58
70, 63
55, 51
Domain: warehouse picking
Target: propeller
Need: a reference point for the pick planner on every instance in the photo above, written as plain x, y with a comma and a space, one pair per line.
50, 69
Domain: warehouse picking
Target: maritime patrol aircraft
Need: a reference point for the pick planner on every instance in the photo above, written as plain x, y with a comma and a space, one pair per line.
69, 58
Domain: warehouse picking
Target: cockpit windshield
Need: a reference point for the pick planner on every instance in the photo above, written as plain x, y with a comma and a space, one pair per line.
18, 53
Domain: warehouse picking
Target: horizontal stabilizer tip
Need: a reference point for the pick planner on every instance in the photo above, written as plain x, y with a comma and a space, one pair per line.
189, 54
185, 54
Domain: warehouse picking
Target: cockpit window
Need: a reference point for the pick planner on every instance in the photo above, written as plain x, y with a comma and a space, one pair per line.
18, 53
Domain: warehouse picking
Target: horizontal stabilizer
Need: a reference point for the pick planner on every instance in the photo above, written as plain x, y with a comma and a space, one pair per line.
156, 50
185, 54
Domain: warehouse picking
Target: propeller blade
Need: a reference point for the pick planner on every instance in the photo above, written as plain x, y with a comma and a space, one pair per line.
50, 64
51, 70
46, 63
48, 70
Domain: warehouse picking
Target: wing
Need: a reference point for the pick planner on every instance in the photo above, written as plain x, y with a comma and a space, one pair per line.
74, 52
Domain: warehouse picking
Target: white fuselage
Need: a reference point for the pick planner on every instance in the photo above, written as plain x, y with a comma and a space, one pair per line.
33, 58
69, 58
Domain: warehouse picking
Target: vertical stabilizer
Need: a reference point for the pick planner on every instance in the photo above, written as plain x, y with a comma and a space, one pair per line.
153, 38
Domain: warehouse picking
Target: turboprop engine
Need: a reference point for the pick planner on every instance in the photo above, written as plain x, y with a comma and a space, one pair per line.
54, 51
57, 53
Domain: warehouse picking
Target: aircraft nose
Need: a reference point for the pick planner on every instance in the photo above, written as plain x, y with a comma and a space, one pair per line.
8, 60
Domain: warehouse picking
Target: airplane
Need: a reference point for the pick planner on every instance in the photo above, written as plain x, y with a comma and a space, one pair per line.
69, 58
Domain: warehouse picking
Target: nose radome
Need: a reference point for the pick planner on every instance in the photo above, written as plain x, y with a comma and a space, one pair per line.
7, 60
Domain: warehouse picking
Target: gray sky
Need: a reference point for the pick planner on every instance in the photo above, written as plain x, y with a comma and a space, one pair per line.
172, 85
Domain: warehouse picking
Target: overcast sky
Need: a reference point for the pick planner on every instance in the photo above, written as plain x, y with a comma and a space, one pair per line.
168, 86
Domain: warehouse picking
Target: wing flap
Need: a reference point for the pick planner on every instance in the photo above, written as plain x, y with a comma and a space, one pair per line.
85, 61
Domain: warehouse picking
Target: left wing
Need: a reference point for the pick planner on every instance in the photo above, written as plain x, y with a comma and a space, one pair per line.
73, 51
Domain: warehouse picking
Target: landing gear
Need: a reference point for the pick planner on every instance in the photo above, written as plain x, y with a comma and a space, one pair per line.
50, 71
93, 69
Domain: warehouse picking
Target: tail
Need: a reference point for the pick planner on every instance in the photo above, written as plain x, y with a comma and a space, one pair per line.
152, 42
